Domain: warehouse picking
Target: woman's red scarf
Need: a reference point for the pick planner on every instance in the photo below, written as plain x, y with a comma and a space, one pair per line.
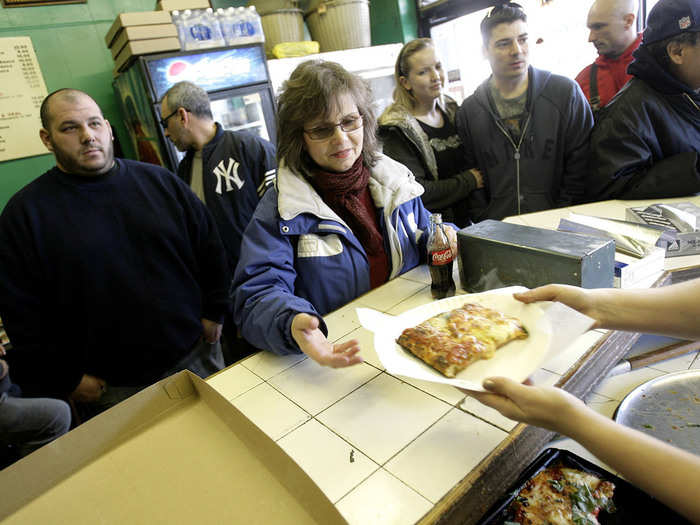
348, 195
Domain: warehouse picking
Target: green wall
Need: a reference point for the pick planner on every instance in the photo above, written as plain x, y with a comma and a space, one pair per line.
393, 21
70, 47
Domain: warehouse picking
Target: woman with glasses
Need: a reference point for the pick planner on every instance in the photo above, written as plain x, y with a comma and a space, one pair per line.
343, 219
418, 130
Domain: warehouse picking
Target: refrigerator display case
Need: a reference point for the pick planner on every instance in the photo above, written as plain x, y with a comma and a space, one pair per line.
236, 79
375, 64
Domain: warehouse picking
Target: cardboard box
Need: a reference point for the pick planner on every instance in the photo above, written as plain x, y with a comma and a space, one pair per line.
129, 34
179, 5
177, 452
679, 220
493, 254
141, 18
144, 47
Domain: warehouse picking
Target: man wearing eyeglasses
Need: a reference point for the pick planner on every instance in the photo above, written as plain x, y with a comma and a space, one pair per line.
525, 129
112, 273
228, 170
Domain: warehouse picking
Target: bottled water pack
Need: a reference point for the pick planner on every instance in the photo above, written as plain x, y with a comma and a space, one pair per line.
200, 28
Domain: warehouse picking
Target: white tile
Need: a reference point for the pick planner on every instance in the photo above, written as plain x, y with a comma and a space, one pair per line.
617, 387
489, 414
390, 294
366, 340
696, 362
543, 377
564, 359
440, 457
314, 387
383, 416
271, 411
343, 321
334, 465
266, 364
419, 298
515, 219
383, 500
447, 393
420, 274
233, 381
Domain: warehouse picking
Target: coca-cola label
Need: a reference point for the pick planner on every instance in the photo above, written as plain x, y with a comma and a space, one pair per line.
441, 257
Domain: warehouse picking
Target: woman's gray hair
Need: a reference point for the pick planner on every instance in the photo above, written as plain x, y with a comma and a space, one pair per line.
189, 96
312, 92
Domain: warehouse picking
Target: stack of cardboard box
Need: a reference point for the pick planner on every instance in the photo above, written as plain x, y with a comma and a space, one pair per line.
179, 5
134, 34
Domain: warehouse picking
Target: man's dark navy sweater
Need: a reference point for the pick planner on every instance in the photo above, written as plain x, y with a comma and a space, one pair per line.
108, 276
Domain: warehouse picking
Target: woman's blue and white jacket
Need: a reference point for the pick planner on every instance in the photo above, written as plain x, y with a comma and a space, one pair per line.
299, 256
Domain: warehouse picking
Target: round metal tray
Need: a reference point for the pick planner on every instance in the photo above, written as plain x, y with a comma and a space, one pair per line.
667, 407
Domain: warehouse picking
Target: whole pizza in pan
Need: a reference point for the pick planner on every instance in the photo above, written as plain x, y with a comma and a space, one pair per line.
452, 340
562, 496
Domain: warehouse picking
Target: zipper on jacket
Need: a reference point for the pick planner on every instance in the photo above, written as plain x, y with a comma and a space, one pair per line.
691, 101
516, 154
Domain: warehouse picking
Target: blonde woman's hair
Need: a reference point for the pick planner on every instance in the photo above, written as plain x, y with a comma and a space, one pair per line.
402, 68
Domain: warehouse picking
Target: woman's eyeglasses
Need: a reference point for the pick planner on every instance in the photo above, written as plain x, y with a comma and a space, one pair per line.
348, 124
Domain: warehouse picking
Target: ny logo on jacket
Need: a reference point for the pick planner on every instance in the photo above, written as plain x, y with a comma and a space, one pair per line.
227, 173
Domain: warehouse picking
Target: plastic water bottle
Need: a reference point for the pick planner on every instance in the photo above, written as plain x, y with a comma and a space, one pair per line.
210, 21
227, 21
244, 27
178, 23
255, 21
188, 22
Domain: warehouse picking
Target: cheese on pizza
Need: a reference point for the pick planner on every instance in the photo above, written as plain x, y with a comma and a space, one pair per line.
452, 340
562, 496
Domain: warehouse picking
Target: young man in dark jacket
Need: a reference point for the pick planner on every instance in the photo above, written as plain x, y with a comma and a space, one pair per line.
527, 130
112, 273
646, 143
228, 170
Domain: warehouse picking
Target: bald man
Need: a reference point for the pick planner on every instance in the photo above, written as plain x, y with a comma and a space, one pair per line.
613, 26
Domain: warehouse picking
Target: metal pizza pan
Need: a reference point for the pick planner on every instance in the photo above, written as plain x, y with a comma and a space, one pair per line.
666, 407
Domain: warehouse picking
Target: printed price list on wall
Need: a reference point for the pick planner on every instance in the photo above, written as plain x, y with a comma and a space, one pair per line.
22, 90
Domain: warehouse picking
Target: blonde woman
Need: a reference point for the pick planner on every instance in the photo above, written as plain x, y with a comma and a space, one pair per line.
418, 130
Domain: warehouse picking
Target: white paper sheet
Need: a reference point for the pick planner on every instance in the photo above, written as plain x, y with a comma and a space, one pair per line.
551, 327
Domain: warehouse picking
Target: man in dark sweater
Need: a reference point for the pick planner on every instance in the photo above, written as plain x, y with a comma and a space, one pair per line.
228, 170
112, 272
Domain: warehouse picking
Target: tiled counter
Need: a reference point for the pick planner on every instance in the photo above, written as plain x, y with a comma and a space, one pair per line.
390, 450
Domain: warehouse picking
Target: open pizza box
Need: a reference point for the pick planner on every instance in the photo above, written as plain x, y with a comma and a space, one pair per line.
177, 452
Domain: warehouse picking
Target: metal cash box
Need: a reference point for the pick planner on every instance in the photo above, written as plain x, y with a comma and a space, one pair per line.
494, 254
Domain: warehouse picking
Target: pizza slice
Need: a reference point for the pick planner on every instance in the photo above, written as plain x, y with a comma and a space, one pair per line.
452, 340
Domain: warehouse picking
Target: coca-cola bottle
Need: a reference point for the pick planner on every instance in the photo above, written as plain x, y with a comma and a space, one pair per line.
440, 259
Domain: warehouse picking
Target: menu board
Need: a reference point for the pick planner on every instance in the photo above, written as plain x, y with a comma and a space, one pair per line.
22, 90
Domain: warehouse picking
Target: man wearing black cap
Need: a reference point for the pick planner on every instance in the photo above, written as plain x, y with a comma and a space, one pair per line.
646, 143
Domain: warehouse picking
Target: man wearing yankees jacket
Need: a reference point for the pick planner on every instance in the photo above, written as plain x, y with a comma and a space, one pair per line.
228, 170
